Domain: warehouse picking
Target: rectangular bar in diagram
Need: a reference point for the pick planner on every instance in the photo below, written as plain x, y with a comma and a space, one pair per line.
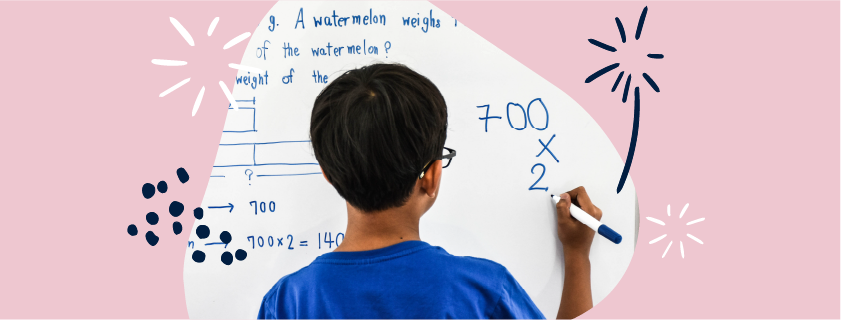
242, 120
265, 154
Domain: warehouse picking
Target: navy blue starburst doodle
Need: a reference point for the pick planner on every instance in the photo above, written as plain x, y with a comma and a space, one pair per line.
645, 76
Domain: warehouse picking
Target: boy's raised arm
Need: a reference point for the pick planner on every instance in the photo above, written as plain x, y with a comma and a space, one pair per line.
576, 238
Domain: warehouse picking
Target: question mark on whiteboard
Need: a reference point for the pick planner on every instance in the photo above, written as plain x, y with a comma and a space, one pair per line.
249, 172
387, 46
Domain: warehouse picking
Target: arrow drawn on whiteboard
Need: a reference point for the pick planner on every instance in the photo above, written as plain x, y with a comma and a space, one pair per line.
229, 205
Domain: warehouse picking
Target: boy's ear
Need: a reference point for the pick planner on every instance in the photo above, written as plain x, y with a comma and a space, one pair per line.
325, 175
432, 179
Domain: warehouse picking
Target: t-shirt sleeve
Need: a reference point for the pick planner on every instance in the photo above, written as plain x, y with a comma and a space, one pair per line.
271, 307
515, 303
268, 308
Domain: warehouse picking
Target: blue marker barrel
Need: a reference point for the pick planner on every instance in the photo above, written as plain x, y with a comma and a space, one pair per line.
610, 234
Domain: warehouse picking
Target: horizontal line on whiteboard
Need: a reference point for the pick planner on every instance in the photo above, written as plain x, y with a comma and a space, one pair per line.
267, 143
288, 174
267, 164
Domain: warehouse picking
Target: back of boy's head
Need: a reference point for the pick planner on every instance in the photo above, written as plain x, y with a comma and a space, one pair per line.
373, 129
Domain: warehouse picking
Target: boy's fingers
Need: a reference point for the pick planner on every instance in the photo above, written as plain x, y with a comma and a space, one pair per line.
597, 213
582, 200
573, 194
562, 206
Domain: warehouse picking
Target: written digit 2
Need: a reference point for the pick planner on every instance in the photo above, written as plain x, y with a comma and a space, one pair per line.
545, 189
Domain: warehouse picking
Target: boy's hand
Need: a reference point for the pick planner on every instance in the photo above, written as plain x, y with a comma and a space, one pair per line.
575, 236
577, 296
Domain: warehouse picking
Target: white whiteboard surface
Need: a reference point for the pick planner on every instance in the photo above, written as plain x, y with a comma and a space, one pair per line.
485, 207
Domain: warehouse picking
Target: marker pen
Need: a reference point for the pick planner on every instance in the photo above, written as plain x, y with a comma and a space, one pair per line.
591, 222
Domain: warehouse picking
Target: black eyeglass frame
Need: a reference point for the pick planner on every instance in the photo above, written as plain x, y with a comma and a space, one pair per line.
449, 157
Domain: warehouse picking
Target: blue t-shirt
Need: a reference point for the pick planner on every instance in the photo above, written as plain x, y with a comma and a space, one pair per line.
408, 280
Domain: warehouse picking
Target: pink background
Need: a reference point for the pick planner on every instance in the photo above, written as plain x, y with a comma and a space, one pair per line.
746, 130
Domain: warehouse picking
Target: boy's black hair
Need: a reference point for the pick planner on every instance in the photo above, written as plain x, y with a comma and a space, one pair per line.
373, 129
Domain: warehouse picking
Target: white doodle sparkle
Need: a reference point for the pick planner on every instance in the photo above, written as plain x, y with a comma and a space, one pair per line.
187, 37
661, 237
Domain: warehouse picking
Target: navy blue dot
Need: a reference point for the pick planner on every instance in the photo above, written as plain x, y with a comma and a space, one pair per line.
162, 187
148, 190
152, 238
202, 231
225, 237
227, 258
176, 227
198, 213
176, 208
198, 256
241, 254
182, 175
132, 230
152, 218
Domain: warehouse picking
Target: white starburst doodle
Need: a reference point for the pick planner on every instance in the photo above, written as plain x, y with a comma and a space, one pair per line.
187, 37
659, 222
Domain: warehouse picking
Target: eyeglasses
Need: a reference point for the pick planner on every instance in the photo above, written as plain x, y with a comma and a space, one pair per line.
447, 157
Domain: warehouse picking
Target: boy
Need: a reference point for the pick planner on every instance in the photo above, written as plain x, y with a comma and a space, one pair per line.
378, 133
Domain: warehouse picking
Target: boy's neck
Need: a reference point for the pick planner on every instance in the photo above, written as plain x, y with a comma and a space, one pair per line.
376, 230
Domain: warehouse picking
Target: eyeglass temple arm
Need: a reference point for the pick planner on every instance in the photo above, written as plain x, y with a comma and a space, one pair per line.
450, 155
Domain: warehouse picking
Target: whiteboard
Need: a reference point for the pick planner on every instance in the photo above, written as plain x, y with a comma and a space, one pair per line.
494, 198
